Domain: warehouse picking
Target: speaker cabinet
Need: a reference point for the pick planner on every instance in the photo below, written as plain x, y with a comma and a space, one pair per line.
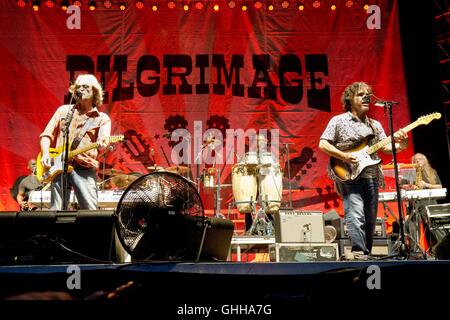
84, 236
298, 226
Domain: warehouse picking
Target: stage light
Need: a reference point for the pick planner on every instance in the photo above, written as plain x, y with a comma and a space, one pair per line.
285, 4
231, 4
199, 5
107, 4
140, 4
186, 7
171, 4
21, 3
244, 7
316, 4
270, 7
36, 4
301, 6
258, 5
92, 5
366, 6
216, 7
64, 4
349, 4
77, 3
122, 5
333, 6
49, 3
155, 7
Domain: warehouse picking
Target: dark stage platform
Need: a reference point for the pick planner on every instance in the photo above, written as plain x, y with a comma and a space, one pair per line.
167, 287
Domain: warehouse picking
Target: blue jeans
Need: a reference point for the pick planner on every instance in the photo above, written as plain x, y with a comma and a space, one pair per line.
360, 207
84, 183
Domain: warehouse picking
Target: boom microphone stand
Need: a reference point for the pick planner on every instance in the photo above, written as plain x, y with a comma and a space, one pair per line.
65, 174
388, 106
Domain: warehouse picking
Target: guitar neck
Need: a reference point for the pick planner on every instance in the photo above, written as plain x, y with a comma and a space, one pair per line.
380, 144
83, 149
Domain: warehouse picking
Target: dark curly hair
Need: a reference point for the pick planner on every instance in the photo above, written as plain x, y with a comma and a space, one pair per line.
349, 93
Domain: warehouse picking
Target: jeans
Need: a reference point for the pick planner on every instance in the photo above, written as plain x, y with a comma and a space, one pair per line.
360, 207
84, 183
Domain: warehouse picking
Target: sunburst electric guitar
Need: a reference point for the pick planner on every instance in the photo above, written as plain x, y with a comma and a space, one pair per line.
46, 175
346, 172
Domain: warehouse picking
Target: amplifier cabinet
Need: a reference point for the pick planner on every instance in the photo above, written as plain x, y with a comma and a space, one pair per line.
303, 252
380, 247
298, 226
380, 229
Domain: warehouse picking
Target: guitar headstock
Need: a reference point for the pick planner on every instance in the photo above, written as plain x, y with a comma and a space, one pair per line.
116, 138
429, 117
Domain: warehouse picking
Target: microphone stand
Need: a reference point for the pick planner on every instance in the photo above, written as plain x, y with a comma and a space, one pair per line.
286, 144
65, 174
402, 249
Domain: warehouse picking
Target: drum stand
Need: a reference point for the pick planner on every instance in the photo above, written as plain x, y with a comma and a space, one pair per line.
261, 226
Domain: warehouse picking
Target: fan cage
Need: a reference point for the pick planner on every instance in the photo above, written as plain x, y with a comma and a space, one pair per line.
154, 213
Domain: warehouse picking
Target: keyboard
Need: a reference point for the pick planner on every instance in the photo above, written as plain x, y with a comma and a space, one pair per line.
413, 194
106, 198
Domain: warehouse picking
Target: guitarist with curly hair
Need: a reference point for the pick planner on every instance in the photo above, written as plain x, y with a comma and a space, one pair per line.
355, 167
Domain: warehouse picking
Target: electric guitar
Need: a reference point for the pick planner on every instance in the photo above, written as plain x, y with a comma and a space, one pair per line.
46, 175
349, 172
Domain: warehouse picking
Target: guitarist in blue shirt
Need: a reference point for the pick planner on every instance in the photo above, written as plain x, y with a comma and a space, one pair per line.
357, 175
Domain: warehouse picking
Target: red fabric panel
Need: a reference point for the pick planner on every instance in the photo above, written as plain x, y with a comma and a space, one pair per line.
36, 47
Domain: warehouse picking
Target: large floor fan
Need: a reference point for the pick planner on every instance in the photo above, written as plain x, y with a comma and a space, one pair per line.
160, 216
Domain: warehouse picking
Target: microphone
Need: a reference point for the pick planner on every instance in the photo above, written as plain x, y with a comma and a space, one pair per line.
167, 135
381, 103
367, 98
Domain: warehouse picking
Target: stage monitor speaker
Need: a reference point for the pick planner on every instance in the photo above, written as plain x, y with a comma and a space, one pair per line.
35, 237
217, 242
299, 226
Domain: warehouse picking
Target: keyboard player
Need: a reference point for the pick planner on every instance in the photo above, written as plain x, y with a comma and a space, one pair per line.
417, 222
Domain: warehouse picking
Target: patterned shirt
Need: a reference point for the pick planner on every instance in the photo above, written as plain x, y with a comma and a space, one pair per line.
346, 131
99, 127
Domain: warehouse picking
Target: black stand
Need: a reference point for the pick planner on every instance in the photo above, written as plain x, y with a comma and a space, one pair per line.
65, 174
402, 248
286, 144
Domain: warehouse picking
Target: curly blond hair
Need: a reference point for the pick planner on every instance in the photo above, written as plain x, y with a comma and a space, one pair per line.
91, 80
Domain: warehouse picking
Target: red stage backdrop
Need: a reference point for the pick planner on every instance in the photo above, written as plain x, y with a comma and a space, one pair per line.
163, 70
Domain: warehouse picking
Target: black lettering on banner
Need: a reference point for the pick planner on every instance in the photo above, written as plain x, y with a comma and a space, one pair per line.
318, 98
149, 78
261, 64
237, 62
148, 63
290, 63
121, 93
171, 61
103, 63
202, 62
77, 63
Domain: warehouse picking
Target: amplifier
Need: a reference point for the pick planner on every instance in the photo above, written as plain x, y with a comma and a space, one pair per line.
380, 247
297, 226
439, 215
380, 229
303, 252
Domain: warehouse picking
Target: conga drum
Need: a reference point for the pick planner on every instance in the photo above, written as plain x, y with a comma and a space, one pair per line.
244, 185
271, 187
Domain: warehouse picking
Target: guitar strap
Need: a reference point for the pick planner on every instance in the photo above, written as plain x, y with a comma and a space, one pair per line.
87, 126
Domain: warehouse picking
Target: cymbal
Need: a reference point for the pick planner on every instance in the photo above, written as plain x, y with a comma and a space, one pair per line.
221, 185
156, 168
124, 180
112, 172
181, 170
